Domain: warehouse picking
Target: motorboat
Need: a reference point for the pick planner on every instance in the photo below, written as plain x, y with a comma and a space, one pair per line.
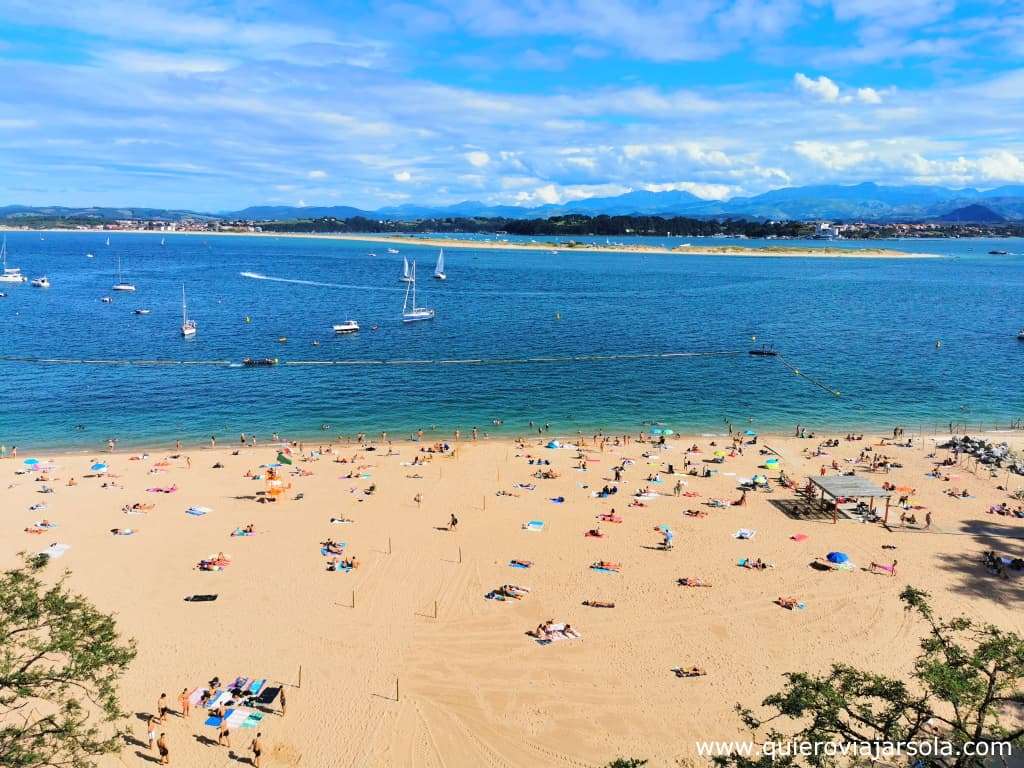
188, 327
1020, 335
764, 351
259, 362
142, 311
392, 250
40, 282
999, 253
9, 274
349, 326
410, 312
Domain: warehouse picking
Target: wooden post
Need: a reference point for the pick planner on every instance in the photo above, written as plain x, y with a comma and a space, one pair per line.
353, 598
397, 697
435, 609
460, 555
389, 545
300, 676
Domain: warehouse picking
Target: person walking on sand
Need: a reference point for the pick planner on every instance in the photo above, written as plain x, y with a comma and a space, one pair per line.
257, 750
186, 706
453, 523
678, 488
928, 519
165, 753
151, 732
224, 736
161, 708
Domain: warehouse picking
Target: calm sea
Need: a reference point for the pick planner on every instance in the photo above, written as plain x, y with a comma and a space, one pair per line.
864, 328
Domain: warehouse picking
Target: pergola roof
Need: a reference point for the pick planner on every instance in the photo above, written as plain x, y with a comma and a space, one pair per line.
849, 487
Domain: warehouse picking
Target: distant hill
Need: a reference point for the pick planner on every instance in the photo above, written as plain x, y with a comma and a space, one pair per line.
833, 202
972, 214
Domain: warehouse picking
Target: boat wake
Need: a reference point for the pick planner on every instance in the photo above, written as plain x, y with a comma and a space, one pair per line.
316, 283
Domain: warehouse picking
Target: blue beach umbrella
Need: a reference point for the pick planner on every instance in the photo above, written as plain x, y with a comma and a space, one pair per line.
99, 466
656, 431
31, 462
837, 557
751, 433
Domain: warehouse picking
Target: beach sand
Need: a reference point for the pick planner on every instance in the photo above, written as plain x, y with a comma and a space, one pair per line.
472, 688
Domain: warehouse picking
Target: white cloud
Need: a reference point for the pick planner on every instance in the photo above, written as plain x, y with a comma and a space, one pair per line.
835, 157
317, 175
402, 176
167, 63
869, 96
478, 159
822, 88
707, 191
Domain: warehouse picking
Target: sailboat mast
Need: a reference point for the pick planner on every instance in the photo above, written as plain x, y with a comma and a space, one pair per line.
184, 307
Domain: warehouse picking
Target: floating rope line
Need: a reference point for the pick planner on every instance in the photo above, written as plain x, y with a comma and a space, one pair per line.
815, 382
458, 361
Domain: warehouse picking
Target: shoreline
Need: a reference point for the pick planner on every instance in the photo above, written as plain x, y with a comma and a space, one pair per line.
767, 251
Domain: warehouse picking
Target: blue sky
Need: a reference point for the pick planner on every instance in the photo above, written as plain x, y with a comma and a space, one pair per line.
218, 105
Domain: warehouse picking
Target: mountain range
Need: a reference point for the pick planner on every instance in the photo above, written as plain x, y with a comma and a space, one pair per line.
866, 202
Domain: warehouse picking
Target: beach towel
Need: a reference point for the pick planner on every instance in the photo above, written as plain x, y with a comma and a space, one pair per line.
556, 637
599, 569
534, 525
267, 696
197, 511
339, 568
55, 551
744, 533
518, 565
256, 686
194, 696
799, 537
327, 553
240, 532
524, 486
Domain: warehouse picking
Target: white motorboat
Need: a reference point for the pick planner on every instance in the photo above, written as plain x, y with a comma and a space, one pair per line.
121, 284
188, 327
349, 326
89, 256
406, 277
40, 282
410, 312
392, 250
142, 311
10, 274
439, 268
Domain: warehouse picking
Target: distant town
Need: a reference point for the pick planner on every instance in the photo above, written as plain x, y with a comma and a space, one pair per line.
568, 225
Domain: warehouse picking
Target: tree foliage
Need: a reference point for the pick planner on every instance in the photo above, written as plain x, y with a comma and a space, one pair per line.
966, 680
60, 661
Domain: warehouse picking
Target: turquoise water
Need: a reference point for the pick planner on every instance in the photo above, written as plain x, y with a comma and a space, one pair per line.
866, 328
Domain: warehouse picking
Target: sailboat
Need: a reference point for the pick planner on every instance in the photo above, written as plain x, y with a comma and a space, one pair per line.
10, 274
410, 312
108, 239
439, 268
405, 278
163, 241
121, 285
188, 327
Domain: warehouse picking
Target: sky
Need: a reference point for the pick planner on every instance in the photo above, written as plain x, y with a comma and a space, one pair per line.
218, 105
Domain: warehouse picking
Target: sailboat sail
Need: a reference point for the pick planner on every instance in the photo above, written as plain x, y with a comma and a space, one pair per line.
439, 268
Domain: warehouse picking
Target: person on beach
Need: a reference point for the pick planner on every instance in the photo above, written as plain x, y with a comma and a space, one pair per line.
165, 753
224, 735
453, 523
257, 749
151, 732
186, 706
161, 708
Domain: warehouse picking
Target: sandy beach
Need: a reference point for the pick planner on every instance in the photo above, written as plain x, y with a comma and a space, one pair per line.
403, 661
777, 251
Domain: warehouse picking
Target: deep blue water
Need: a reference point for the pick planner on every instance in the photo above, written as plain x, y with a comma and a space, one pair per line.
864, 327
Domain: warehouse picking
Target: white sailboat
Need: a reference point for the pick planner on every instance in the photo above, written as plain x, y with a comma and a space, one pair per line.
410, 312
121, 285
108, 239
188, 327
439, 267
163, 241
10, 274
406, 277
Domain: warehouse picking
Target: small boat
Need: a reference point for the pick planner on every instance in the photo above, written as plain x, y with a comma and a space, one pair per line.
259, 362
439, 267
1020, 335
410, 312
40, 282
89, 256
142, 311
349, 326
107, 300
392, 250
121, 285
3, 295
9, 274
372, 254
406, 277
188, 327
764, 351
999, 253
282, 339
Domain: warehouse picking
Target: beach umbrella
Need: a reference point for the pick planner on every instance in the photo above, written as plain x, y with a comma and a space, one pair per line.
31, 462
750, 433
99, 466
760, 480
837, 557
667, 432
554, 444
656, 431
